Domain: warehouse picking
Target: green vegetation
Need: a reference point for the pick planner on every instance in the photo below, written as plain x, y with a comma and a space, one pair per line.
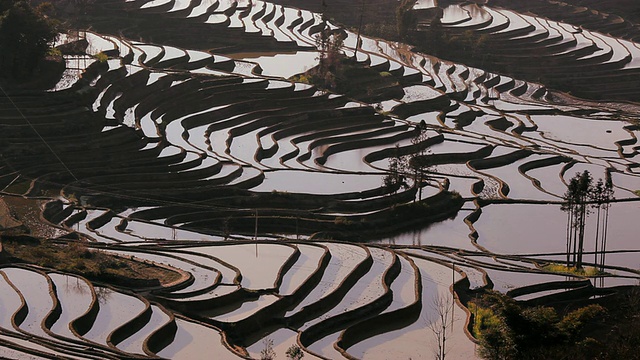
26, 35
403, 167
563, 269
330, 62
335, 72
355, 80
395, 177
294, 352
507, 330
102, 57
484, 318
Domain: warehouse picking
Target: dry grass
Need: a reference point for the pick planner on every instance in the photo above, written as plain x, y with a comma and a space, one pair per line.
563, 269
76, 258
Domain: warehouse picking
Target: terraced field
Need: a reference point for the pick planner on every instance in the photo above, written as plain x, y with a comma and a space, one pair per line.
282, 204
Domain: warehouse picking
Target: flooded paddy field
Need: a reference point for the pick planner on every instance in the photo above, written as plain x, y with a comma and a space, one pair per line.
297, 215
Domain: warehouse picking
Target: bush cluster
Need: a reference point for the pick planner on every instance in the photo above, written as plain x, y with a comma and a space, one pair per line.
26, 35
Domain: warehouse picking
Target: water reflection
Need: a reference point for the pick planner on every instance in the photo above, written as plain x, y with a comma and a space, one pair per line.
425, 4
102, 294
454, 14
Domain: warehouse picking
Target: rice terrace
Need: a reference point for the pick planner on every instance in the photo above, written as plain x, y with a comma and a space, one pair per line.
326, 179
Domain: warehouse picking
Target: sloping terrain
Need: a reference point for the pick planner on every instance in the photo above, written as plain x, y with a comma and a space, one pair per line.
303, 216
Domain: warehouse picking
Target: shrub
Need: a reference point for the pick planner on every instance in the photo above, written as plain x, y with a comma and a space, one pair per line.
506, 330
294, 352
573, 322
54, 52
563, 269
267, 353
102, 57
25, 38
341, 220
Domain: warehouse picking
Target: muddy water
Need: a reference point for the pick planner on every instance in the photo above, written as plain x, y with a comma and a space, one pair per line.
454, 14
415, 340
134, 343
74, 295
283, 65
368, 288
325, 347
8, 353
246, 310
550, 180
516, 228
35, 289
519, 186
403, 287
282, 340
451, 233
601, 134
194, 342
9, 305
306, 265
504, 281
244, 257
313, 182
425, 4
201, 9
27, 211
115, 310
344, 258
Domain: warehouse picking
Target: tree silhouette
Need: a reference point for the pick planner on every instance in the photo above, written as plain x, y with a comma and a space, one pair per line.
417, 141
605, 198
395, 177
25, 38
441, 325
579, 193
329, 61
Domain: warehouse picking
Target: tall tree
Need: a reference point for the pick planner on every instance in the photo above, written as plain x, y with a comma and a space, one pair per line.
395, 177
576, 199
570, 197
598, 202
441, 325
607, 197
421, 135
329, 61
584, 194
26, 35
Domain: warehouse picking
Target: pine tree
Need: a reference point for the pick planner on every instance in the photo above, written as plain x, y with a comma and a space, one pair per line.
579, 192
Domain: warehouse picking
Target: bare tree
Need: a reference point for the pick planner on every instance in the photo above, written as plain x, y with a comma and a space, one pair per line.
267, 353
442, 324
